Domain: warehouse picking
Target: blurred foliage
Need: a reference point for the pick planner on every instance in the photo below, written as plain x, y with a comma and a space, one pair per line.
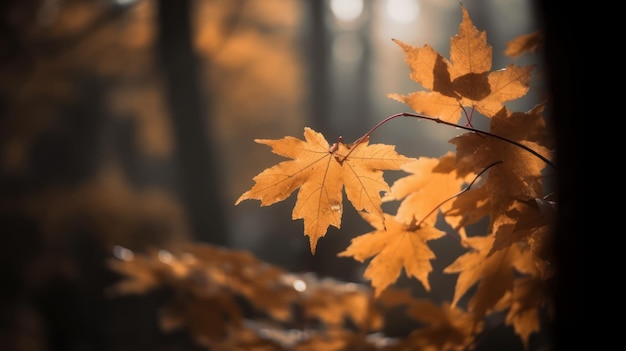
88, 168
87, 157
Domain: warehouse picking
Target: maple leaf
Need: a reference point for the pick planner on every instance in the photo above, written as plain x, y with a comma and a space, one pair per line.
431, 181
464, 80
523, 302
468, 208
320, 172
527, 221
519, 175
395, 246
494, 274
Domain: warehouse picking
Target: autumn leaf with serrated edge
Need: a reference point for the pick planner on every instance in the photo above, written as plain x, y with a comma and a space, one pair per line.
321, 172
465, 80
493, 274
430, 182
518, 176
523, 303
397, 246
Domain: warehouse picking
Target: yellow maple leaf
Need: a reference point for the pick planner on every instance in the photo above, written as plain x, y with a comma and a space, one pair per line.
465, 80
321, 172
395, 246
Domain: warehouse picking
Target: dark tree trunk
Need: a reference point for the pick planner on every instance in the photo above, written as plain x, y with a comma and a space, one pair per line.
198, 173
565, 71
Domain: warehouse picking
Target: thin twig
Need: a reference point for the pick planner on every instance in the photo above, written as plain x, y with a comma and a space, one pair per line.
438, 120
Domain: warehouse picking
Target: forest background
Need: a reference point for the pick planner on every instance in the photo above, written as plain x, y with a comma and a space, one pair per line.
96, 156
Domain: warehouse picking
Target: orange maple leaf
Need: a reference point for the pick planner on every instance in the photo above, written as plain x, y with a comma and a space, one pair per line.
526, 221
518, 176
465, 80
430, 183
495, 274
395, 246
321, 171
523, 303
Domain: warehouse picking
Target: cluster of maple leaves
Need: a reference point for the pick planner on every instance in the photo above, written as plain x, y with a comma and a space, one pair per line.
496, 174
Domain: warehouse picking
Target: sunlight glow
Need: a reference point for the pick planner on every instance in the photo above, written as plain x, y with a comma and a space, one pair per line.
165, 256
123, 253
346, 10
299, 285
402, 11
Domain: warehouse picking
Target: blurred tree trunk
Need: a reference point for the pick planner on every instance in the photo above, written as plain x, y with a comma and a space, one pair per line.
198, 173
319, 54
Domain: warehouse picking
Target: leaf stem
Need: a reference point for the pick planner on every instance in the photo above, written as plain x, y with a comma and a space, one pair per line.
438, 120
